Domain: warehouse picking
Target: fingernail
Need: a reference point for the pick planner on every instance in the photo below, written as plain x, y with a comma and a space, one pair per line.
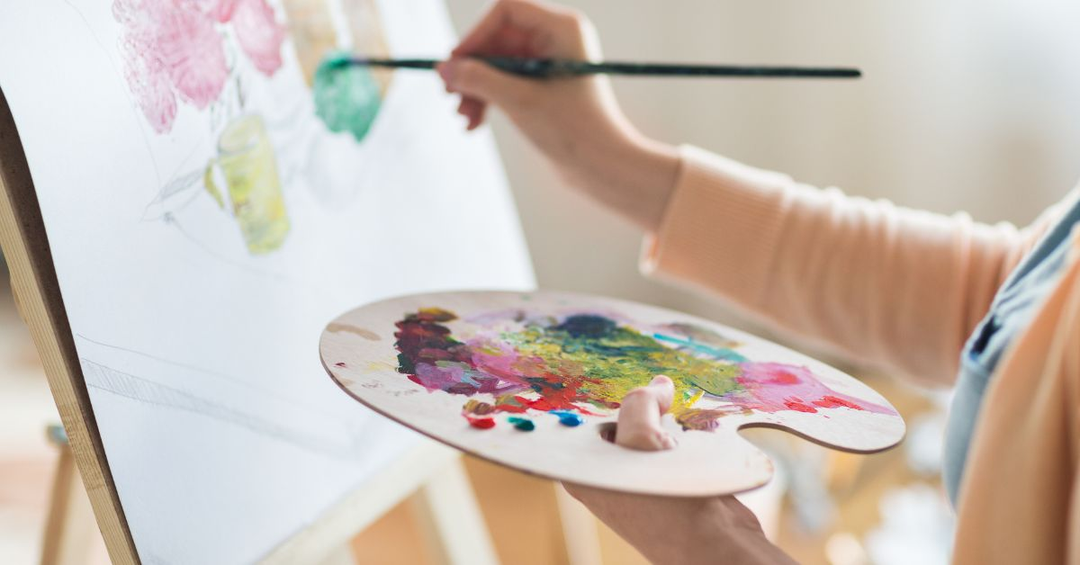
668, 442
660, 380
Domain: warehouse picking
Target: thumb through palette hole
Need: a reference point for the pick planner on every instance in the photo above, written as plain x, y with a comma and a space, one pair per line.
609, 430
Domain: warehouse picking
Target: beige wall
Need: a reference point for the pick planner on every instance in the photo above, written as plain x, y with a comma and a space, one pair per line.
966, 104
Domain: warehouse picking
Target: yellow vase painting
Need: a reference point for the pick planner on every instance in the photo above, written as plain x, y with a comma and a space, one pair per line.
246, 161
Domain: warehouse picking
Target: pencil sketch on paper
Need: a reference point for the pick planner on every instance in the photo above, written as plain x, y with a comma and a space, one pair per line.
153, 387
149, 391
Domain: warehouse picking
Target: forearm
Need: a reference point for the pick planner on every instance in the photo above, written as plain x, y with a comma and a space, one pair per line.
885, 284
709, 538
633, 177
731, 547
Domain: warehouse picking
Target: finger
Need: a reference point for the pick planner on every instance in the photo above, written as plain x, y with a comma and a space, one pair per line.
471, 108
640, 416
461, 112
477, 80
475, 110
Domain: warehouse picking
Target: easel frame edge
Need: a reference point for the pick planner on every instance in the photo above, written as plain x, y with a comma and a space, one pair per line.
37, 295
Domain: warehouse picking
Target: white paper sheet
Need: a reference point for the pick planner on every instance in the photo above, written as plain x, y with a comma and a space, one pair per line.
223, 432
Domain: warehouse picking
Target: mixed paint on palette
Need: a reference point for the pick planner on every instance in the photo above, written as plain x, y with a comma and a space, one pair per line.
582, 364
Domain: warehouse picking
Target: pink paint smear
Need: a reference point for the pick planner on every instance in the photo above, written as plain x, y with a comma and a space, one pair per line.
772, 387
175, 49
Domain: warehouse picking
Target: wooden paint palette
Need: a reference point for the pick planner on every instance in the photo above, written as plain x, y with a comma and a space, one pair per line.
506, 376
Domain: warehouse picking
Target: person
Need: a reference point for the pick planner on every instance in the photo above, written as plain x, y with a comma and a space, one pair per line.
994, 310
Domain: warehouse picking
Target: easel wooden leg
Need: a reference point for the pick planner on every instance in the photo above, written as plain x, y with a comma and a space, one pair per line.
451, 519
70, 527
580, 531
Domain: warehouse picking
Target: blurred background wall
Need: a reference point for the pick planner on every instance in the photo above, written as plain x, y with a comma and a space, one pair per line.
966, 105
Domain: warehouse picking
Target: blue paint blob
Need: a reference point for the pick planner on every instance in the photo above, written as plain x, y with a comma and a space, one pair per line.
523, 424
568, 419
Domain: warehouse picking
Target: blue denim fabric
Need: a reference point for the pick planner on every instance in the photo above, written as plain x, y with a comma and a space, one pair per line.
1010, 314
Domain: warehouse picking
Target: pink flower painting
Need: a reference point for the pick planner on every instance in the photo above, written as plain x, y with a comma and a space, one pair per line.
175, 49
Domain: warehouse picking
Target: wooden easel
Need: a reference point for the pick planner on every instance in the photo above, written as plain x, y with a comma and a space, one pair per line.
432, 472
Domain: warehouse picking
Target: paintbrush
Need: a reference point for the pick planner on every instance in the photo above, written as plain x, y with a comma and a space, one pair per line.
555, 68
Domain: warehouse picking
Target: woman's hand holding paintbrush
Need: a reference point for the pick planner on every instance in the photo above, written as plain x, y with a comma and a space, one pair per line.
575, 122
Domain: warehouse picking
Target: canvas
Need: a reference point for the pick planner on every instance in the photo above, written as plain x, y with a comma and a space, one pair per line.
211, 199
533, 380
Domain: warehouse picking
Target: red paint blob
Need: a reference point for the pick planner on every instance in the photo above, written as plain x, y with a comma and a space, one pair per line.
482, 423
797, 404
784, 378
829, 401
342, 365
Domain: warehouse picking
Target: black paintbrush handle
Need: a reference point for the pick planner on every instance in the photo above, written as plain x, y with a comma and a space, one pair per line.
393, 63
559, 68
549, 68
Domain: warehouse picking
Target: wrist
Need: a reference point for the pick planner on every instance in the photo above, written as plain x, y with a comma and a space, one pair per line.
635, 177
717, 529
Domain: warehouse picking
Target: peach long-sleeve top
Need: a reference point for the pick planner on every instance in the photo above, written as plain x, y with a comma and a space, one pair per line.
903, 289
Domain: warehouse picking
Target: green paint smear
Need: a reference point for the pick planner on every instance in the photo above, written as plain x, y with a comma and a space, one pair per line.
347, 97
